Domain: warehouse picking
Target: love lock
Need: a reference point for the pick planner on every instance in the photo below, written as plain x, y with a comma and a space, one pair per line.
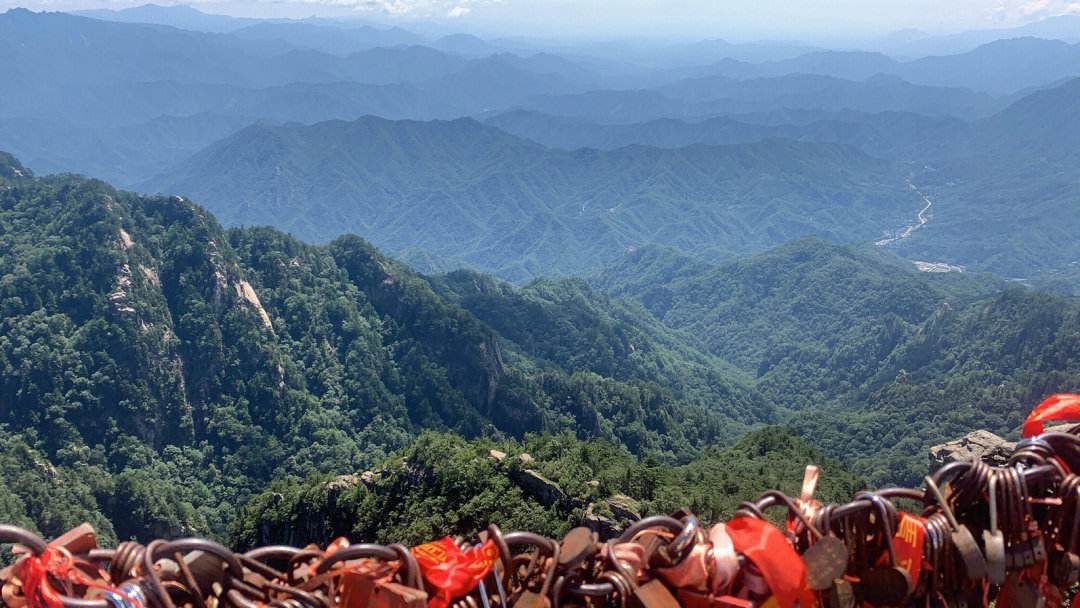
891, 585
577, 546
994, 540
827, 559
974, 561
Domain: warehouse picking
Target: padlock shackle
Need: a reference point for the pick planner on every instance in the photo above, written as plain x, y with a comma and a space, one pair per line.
359, 551
776, 498
494, 533
262, 554
656, 521
944, 504
993, 501
409, 564
882, 507
684, 542
24, 537
531, 539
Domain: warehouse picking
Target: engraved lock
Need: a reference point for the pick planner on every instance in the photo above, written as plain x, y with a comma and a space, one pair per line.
826, 560
577, 546
891, 585
724, 561
962, 539
994, 539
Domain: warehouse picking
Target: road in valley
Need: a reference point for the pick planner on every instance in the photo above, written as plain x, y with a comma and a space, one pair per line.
922, 219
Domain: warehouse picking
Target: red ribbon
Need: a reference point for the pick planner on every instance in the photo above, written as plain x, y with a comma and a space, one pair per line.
453, 572
781, 567
34, 574
56, 562
1057, 408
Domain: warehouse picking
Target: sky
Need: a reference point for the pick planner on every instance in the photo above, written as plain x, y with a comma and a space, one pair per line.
732, 19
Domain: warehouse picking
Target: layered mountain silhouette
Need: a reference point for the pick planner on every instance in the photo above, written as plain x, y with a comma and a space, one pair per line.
472, 193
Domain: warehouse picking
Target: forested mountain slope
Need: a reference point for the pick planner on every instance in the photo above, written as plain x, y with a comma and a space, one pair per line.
1004, 188
1008, 201
145, 344
577, 328
444, 484
143, 348
465, 191
872, 359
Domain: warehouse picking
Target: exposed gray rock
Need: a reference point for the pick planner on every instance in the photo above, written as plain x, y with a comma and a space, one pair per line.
343, 482
604, 526
545, 491
976, 445
369, 478
624, 508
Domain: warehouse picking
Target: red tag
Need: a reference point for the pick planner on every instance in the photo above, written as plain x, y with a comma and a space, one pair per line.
451, 571
780, 566
908, 545
1057, 408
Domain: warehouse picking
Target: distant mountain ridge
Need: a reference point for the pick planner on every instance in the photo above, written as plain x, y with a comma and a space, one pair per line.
176, 15
465, 191
711, 96
998, 67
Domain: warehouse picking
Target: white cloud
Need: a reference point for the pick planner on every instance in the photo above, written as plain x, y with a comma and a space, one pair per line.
414, 8
1019, 11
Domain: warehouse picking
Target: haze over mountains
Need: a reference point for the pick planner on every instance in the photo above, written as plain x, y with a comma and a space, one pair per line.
717, 149
621, 258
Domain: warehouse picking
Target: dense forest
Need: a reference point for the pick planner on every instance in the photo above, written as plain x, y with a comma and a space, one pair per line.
142, 347
158, 371
444, 484
885, 360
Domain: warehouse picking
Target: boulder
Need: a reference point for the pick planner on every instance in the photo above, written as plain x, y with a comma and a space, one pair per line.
542, 489
980, 445
624, 508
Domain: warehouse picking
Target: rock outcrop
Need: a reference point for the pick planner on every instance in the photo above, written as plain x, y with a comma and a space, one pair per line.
981, 445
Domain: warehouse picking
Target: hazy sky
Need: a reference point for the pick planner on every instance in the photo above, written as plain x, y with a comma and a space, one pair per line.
728, 18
